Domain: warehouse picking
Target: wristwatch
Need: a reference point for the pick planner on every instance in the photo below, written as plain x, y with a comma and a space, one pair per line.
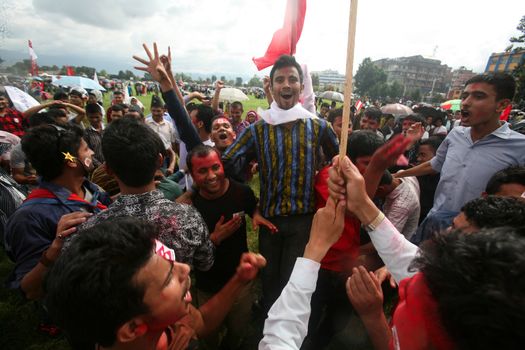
373, 225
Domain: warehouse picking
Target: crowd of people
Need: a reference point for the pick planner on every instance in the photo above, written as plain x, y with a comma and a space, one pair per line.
130, 230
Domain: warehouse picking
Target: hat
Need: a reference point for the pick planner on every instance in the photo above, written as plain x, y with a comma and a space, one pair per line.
156, 102
97, 94
78, 91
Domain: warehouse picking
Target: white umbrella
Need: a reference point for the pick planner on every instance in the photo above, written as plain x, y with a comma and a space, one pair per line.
232, 94
396, 109
333, 95
82, 82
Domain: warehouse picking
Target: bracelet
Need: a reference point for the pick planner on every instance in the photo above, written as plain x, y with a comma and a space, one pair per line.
44, 260
373, 225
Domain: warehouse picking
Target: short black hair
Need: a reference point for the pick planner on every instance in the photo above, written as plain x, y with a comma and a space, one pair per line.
237, 104
495, 211
41, 118
325, 105
205, 115
416, 117
373, 113
199, 151
363, 143
117, 108
477, 282
286, 61
44, 144
334, 113
91, 288
131, 150
92, 108
504, 84
433, 141
60, 95
510, 175
118, 92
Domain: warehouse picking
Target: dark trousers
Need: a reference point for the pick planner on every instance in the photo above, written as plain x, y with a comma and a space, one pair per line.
281, 249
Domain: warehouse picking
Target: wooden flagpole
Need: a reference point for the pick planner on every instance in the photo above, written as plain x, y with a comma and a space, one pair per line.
349, 76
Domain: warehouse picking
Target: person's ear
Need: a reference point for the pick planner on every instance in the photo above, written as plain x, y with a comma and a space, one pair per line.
131, 330
200, 124
302, 88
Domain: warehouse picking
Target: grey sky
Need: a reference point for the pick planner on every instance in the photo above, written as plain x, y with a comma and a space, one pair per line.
223, 35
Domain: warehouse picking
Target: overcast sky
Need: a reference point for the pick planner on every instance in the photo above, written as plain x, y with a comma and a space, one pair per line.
223, 35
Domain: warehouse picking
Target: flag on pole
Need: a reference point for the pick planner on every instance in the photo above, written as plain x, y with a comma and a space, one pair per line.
33, 56
358, 106
95, 76
69, 71
284, 40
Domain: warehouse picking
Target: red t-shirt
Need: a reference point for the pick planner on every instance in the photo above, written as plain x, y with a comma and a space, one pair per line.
342, 254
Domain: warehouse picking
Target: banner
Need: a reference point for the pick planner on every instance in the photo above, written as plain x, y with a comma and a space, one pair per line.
20, 99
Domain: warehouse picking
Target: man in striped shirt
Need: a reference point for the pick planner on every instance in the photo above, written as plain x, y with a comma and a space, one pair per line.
288, 143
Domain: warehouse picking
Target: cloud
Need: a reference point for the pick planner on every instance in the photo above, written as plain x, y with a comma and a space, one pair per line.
223, 36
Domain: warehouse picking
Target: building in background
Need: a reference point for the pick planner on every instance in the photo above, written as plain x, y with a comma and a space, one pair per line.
458, 79
331, 78
505, 62
417, 73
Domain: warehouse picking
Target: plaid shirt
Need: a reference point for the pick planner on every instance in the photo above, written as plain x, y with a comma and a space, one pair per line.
13, 121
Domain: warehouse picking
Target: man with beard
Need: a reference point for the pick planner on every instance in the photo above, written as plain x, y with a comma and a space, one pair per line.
34, 235
473, 152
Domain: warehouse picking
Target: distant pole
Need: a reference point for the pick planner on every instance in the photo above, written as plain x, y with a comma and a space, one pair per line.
349, 76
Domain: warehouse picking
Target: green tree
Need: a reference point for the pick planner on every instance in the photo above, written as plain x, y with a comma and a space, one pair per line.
368, 75
315, 80
255, 81
519, 72
213, 78
103, 73
238, 81
395, 90
223, 78
1, 60
415, 95
20, 68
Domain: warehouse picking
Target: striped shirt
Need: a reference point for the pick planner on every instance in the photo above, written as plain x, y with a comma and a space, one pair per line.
288, 158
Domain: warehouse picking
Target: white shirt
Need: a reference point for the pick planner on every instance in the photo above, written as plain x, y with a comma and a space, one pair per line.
394, 249
402, 206
287, 322
163, 128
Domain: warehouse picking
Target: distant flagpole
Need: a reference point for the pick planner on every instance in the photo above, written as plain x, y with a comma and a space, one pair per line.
33, 56
95, 76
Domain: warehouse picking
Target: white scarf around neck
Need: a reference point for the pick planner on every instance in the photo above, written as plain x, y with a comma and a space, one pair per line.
276, 115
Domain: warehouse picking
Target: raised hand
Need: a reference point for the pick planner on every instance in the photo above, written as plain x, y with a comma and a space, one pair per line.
153, 65
365, 294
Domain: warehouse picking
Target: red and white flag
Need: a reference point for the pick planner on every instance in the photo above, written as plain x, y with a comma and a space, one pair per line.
32, 53
358, 106
284, 40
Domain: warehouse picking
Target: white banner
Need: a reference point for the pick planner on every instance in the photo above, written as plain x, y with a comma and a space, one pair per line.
20, 99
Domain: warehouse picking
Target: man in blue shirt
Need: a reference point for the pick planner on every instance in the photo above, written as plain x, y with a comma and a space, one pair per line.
472, 152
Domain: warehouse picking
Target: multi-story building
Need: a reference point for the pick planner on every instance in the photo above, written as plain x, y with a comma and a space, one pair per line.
505, 61
417, 73
459, 77
331, 78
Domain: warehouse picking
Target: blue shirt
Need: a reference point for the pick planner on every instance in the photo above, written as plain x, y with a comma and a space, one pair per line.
32, 227
467, 166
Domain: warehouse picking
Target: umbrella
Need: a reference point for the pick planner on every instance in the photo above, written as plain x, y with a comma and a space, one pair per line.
82, 82
454, 105
232, 94
430, 112
396, 109
333, 95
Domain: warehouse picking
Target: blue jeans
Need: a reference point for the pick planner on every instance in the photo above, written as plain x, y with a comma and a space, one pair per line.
434, 223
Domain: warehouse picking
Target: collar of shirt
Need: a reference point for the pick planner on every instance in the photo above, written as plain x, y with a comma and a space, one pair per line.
131, 199
63, 193
151, 121
503, 132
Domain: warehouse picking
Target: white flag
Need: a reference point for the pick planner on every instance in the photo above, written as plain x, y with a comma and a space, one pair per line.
95, 77
32, 53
